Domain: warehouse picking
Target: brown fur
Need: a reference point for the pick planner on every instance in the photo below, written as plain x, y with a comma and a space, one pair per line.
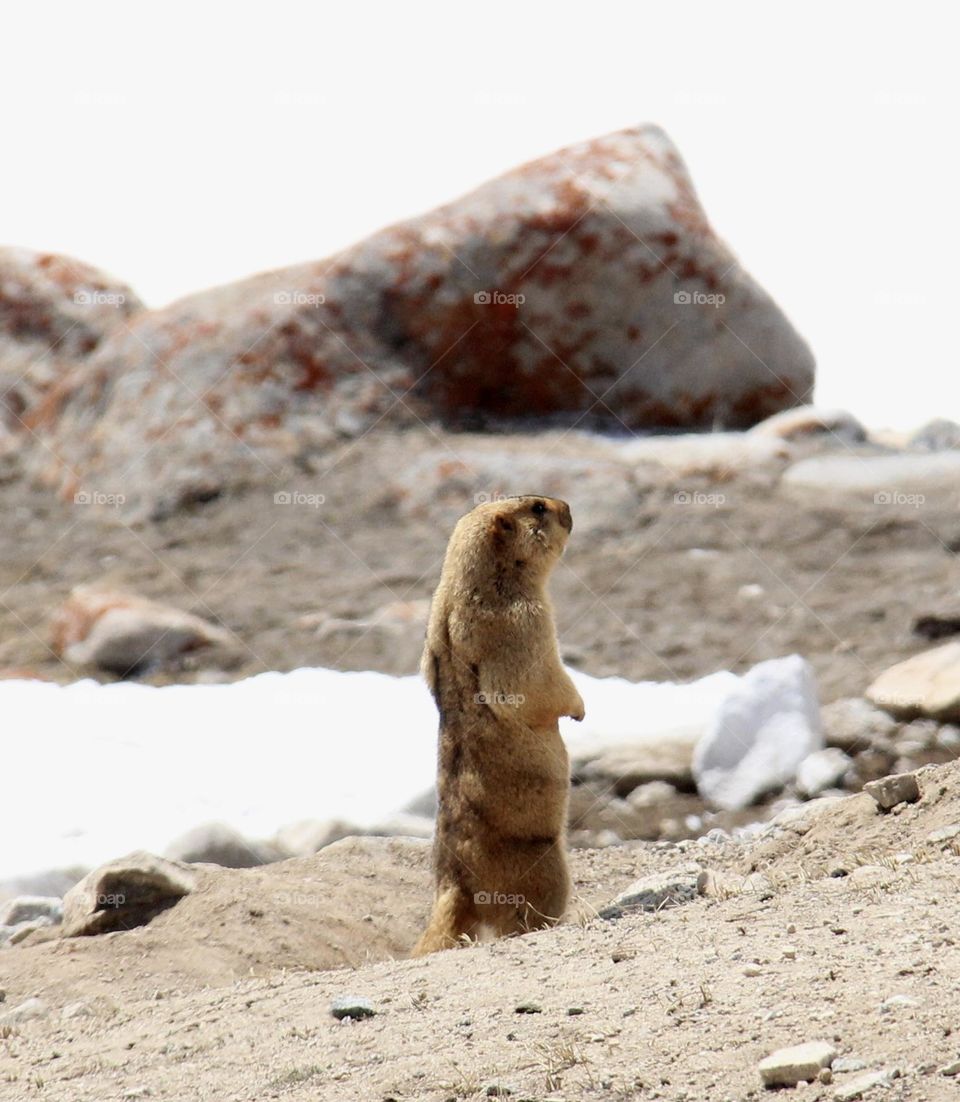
492, 664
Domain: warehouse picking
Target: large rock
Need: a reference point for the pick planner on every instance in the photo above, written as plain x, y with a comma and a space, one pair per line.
760, 734
126, 634
925, 685
888, 480
586, 287
54, 312
124, 893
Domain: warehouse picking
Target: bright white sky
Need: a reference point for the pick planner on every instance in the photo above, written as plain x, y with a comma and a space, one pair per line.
179, 145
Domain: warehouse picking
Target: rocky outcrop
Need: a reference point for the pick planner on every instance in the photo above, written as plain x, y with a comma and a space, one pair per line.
586, 287
54, 312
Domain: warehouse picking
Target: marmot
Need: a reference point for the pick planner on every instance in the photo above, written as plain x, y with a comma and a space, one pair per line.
492, 664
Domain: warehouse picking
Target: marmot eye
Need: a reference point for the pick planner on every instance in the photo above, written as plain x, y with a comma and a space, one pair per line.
539, 508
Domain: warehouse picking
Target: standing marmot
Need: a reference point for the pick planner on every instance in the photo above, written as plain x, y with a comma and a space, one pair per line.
492, 664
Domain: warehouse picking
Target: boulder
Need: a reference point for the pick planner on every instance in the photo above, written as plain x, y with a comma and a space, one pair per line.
936, 436
926, 685
832, 426
585, 288
219, 844
54, 312
125, 634
124, 893
760, 734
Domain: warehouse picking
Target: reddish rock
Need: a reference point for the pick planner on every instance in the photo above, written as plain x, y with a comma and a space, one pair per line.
54, 311
584, 288
126, 634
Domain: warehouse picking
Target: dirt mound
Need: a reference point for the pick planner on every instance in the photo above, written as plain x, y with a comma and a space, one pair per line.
359, 900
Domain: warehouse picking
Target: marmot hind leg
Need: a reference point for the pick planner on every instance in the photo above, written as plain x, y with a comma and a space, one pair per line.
454, 915
545, 893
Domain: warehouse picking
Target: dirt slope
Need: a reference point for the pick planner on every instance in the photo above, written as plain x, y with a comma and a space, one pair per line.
680, 1004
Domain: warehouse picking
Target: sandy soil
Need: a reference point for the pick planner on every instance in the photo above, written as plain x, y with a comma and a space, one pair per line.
225, 996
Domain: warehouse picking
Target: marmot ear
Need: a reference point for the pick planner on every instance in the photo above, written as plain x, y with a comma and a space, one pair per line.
502, 525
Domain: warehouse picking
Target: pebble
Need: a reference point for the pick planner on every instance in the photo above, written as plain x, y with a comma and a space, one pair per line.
897, 1001
800, 1063
351, 1006
944, 834
898, 788
953, 1068
528, 1008
753, 970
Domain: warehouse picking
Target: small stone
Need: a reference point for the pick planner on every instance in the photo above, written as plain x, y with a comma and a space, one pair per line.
798, 1064
944, 834
789, 953
825, 1076
25, 908
25, 1012
573, 1011
856, 1088
752, 970
351, 1006
498, 1090
898, 788
653, 893
953, 1068
528, 1008
898, 1002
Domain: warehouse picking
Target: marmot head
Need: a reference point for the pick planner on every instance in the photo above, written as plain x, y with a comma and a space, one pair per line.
521, 536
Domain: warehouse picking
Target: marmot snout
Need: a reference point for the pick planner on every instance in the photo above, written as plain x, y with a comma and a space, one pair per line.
492, 664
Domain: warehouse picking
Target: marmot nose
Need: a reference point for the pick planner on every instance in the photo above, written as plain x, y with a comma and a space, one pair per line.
563, 515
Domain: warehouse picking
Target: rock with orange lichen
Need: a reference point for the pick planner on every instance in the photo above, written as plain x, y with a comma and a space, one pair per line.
54, 312
125, 634
585, 288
